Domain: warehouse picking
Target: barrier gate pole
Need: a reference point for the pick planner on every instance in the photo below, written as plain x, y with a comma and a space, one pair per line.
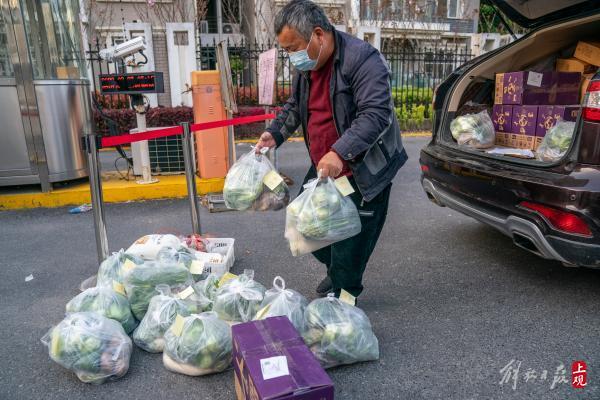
190, 176
96, 194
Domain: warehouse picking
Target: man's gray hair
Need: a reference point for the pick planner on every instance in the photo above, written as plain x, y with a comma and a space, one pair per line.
303, 16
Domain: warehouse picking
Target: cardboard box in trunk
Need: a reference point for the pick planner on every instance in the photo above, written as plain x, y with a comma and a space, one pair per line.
271, 361
549, 115
588, 52
573, 65
536, 88
502, 117
523, 127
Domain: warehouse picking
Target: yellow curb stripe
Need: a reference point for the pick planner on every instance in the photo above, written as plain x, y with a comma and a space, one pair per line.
114, 191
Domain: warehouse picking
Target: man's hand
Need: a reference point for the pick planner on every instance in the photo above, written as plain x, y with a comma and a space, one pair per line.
266, 140
330, 165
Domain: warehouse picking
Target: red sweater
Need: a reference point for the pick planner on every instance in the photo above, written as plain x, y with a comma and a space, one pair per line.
322, 133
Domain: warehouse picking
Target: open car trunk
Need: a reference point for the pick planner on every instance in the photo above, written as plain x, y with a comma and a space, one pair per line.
538, 51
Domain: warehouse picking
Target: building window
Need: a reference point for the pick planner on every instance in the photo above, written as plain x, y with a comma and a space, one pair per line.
454, 8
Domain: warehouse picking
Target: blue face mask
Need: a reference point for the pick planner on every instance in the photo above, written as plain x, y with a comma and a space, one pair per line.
302, 61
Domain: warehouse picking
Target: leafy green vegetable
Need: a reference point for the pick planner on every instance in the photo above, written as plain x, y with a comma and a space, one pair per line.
94, 347
104, 301
338, 333
202, 347
556, 142
474, 130
140, 284
112, 269
239, 299
205, 292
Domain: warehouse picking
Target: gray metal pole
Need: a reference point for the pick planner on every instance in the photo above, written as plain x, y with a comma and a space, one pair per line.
96, 194
190, 176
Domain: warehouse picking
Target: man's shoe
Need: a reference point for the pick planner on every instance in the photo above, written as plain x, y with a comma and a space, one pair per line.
324, 287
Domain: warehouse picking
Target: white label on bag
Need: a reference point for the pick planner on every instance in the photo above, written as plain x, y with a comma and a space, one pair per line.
185, 293
274, 367
347, 298
272, 179
534, 79
343, 185
197, 267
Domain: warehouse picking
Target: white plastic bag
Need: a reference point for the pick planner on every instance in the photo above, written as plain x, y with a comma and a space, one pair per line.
104, 301
338, 333
239, 299
245, 187
147, 247
320, 216
556, 142
161, 313
474, 130
205, 292
96, 348
280, 301
201, 346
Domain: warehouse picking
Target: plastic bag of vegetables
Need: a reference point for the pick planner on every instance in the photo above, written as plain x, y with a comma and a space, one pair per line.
239, 299
147, 247
320, 216
198, 345
205, 292
338, 333
245, 187
280, 301
141, 282
104, 301
474, 130
163, 309
556, 142
96, 348
115, 267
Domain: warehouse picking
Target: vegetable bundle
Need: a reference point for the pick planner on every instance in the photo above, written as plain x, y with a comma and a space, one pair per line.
244, 187
239, 299
94, 347
115, 267
161, 313
140, 283
104, 301
205, 292
200, 346
338, 333
320, 216
280, 301
556, 142
474, 130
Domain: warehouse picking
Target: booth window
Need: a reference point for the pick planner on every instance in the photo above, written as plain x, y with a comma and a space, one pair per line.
54, 38
6, 67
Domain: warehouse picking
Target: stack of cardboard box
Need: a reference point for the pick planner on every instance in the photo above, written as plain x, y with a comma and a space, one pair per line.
528, 103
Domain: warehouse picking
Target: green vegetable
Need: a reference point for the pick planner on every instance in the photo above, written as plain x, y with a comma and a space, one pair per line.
474, 130
94, 347
161, 313
339, 333
239, 299
141, 282
556, 142
204, 293
112, 269
104, 301
202, 347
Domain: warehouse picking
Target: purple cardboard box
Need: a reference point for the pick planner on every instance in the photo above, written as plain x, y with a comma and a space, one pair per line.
536, 88
271, 361
502, 118
549, 115
524, 120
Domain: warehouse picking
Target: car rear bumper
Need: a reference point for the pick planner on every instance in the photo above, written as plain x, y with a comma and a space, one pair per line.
525, 234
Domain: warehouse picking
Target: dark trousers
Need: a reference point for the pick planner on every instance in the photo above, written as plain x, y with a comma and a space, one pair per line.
346, 260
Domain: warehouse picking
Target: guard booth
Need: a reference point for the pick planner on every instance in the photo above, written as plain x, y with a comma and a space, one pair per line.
44, 95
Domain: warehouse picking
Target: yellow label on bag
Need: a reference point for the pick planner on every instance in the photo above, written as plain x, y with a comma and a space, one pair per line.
128, 265
54, 342
347, 298
262, 312
227, 276
343, 185
272, 179
184, 294
118, 287
177, 326
197, 267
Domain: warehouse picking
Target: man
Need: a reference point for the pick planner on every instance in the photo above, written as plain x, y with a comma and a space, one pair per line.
341, 97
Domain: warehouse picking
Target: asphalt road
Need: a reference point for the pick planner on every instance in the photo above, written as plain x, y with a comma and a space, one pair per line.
451, 301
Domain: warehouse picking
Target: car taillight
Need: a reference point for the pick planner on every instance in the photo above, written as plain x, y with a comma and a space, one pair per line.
591, 108
424, 168
561, 220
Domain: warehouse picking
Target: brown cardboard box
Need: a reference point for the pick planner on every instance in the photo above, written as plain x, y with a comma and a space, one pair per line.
573, 65
584, 84
502, 138
499, 89
588, 52
518, 141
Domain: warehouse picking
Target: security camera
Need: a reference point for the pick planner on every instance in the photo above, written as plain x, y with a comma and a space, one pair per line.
123, 50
